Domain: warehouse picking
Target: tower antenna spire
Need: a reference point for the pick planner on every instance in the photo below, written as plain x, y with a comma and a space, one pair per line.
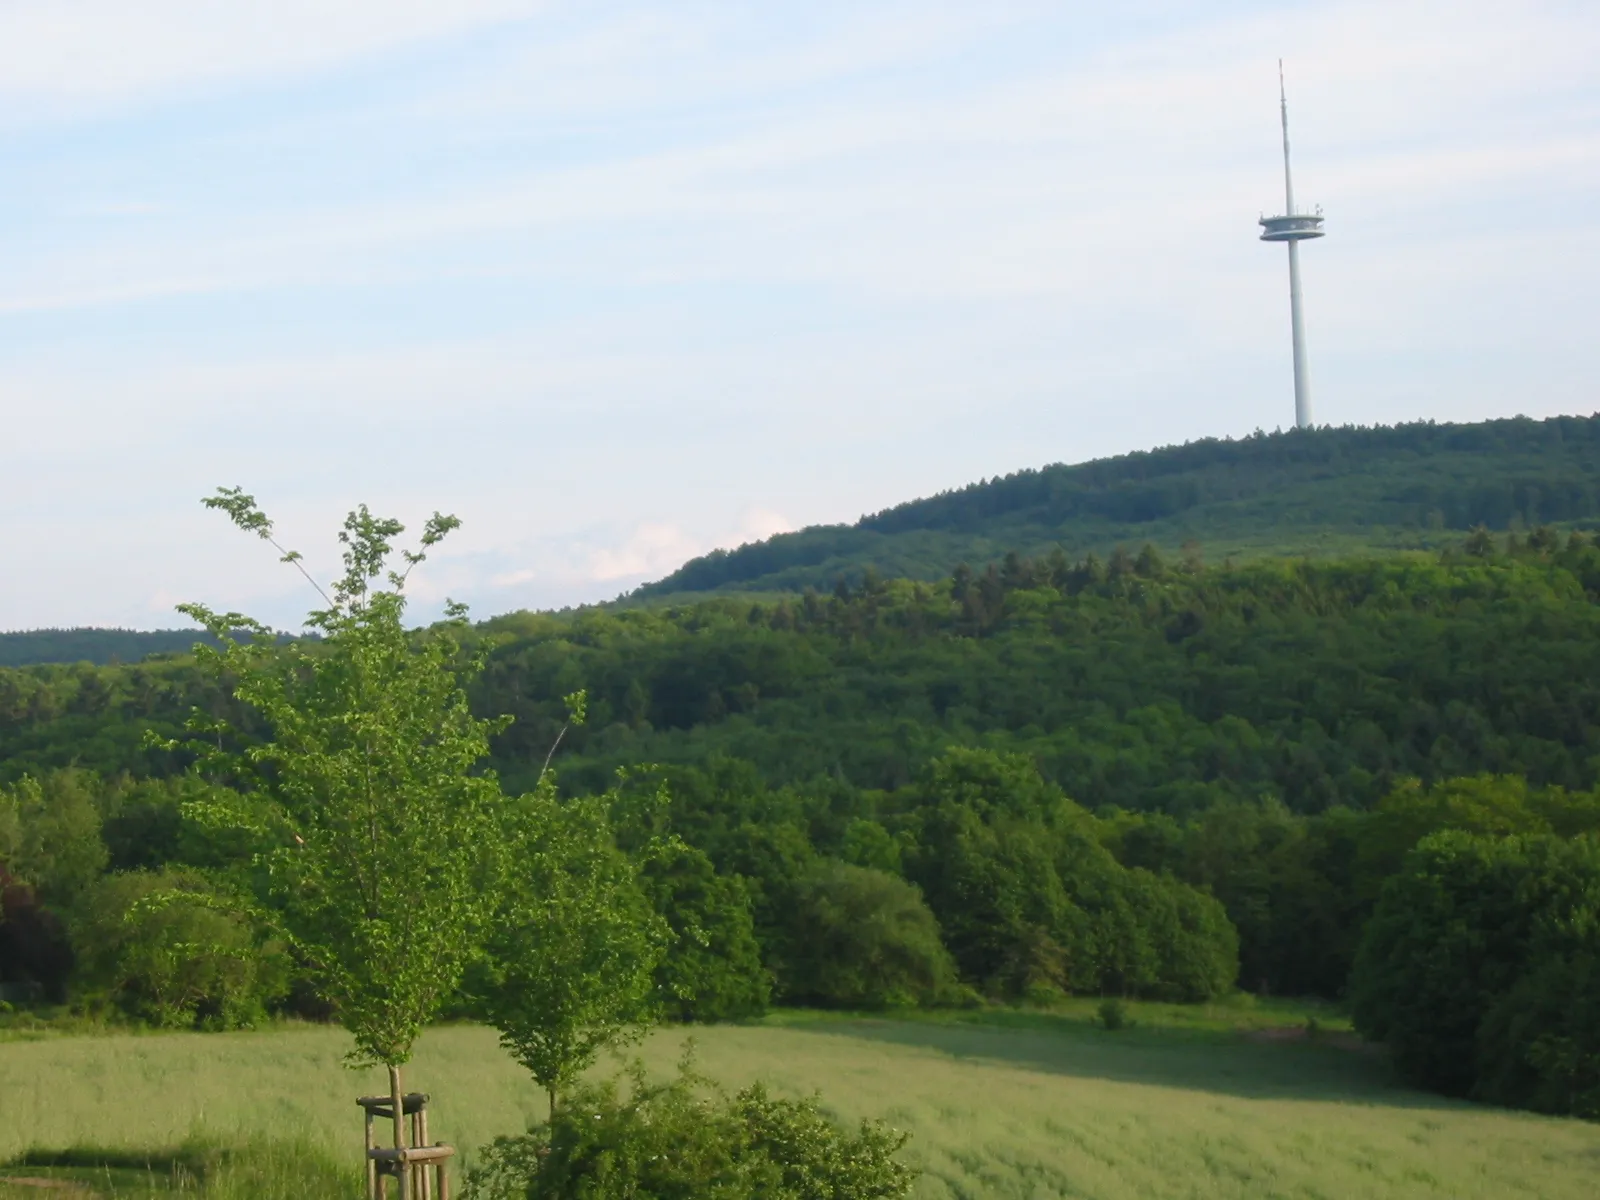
1283, 113
1293, 228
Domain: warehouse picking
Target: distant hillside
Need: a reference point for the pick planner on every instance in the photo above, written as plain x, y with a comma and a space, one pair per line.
92, 645
1314, 492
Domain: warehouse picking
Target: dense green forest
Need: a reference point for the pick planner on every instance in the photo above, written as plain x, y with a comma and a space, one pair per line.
1130, 776
1330, 491
1135, 682
26, 647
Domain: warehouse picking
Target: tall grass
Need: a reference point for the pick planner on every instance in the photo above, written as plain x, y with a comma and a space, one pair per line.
1022, 1105
260, 1167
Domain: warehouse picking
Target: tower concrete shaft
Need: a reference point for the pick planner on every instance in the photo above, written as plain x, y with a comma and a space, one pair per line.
1297, 333
1294, 228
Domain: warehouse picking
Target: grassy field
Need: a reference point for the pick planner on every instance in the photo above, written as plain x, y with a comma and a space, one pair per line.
1190, 1103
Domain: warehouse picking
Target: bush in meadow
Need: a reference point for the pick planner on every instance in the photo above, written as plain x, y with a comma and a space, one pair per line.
687, 1138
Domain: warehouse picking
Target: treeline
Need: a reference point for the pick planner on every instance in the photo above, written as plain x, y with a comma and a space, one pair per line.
989, 882
1342, 490
1461, 918
1133, 776
979, 874
1137, 682
26, 647
1490, 473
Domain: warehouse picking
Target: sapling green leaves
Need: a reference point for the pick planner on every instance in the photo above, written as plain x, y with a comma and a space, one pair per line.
391, 857
376, 838
569, 958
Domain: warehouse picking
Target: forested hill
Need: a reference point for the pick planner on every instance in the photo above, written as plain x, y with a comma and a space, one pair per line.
1137, 683
1232, 725
98, 646
1121, 777
1321, 491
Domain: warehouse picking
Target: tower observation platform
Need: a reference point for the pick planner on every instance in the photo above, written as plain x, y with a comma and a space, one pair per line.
1295, 227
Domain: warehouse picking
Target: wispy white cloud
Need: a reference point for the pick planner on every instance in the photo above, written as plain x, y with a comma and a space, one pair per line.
1016, 187
65, 56
596, 562
652, 549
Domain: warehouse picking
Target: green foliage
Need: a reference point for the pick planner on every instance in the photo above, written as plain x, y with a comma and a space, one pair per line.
1287, 885
866, 843
145, 823
687, 1140
711, 970
1320, 684
174, 949
98, 646
1477, 969
1031, 901
1488, 805
1447, 937
1251, 753
999, 900
1155, 936
371, 822
1113, 1014
772, 857
1292, 492
1539, 1044
50, 835
862, 938
570, 952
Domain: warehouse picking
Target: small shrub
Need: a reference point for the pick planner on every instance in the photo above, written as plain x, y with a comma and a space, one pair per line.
1043, 995
1113, 1014
687, 1138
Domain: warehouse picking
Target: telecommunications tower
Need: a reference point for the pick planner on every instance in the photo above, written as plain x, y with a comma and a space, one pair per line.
1294, 228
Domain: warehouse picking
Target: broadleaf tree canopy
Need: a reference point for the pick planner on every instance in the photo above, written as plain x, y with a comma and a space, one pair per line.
376, 839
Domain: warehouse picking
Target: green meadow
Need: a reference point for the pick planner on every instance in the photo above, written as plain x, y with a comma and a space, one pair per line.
1192, 1103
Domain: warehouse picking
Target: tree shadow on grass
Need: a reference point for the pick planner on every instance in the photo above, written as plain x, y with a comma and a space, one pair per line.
1225, 1063
257, 1167
103, 1171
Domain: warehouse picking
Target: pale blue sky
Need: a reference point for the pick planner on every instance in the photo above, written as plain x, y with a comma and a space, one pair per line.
619, 283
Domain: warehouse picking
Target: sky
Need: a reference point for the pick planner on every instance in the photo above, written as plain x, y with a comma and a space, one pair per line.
620, 283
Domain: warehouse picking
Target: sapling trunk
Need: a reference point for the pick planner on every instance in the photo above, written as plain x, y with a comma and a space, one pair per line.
398, 1099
